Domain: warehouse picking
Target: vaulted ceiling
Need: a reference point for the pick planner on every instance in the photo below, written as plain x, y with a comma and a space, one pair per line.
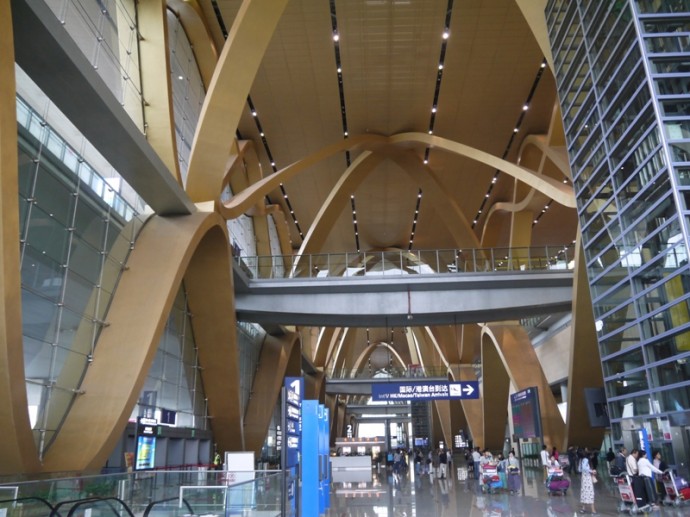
389, 53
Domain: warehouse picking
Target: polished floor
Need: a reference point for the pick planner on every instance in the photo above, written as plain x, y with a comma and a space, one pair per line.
384, 494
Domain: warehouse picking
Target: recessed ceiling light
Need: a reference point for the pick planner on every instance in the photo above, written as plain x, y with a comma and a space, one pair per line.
525, 107
543, 64
273, 164
426, 161
253, 113
446, 34
336, 37
440, 66
180, 77
352, 196
433, 110
262, 134
535, 221
487, 195
419, 195
345, 133
474, 222
340, 70
515, 130
431, 132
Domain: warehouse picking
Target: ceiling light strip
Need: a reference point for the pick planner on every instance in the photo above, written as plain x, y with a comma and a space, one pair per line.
415, 219
286, 199
354, 220
341, 92
219, 17
434, 105
516, 130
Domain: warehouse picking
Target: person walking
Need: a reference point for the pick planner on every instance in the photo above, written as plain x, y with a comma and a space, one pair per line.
443, 463
645, 469
545, 459
631, 462
587, 486
618, 464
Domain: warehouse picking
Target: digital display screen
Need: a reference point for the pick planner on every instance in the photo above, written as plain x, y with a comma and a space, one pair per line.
526, 414
146, 452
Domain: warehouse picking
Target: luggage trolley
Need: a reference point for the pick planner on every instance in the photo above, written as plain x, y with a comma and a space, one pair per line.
491, 481
556, 482
628, 502
676, 488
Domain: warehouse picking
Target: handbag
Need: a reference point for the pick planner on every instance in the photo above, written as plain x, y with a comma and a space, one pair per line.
594, 478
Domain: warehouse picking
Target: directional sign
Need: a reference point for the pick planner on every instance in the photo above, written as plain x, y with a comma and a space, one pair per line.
432, 390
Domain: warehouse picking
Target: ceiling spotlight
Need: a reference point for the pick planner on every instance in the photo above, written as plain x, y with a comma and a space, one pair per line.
486, 195
180, 77
336, 37
262, 134
525, 107
493, 180
340, 70
433, 110
565, 180
515, 130
440, 66
431, 131
273, 164
543, 64
345, 133
474, 222
535, 221
352, 196
426, 161
254, 113
419, 195
446, 34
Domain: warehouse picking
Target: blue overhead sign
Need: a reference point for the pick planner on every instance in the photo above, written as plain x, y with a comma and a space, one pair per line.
432, 390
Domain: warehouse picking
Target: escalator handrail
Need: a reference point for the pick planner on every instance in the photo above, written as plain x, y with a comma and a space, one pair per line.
44, 501
79, 502
150, 506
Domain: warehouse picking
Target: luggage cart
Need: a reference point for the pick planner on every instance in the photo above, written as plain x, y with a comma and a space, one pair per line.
491, 481
628, 500
556, 482
676, 488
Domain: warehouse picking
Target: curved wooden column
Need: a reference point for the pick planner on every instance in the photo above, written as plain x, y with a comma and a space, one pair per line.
268, 379
17, 448
152, 24
191, 16
556, 190
515, 358
494, 396
126, 348
585, 359
226, 97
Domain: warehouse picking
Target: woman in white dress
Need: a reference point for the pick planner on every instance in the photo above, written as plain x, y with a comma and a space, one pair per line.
587, 486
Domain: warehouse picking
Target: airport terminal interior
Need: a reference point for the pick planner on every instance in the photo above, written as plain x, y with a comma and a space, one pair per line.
330, 242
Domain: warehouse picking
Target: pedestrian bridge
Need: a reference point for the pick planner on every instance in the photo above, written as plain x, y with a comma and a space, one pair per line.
404, 288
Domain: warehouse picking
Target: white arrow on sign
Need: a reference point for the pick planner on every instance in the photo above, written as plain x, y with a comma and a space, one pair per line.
468, 389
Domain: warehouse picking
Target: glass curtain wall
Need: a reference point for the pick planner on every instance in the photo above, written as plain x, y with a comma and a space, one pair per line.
187, 89
622, 70
106, 32
75, 236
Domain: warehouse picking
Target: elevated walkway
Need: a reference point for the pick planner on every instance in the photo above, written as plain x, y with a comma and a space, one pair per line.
395, 289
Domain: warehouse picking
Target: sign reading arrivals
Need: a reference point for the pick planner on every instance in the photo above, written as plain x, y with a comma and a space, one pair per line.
432, 390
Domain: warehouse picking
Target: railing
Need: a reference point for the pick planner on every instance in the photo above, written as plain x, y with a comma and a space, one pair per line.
156, 492
419, 262
393, 372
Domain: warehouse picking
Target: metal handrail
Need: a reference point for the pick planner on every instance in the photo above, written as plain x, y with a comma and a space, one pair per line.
98, 500
150, 506
40, 499
401, 262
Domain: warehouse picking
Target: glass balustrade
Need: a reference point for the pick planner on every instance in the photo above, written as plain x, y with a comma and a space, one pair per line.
419, 262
